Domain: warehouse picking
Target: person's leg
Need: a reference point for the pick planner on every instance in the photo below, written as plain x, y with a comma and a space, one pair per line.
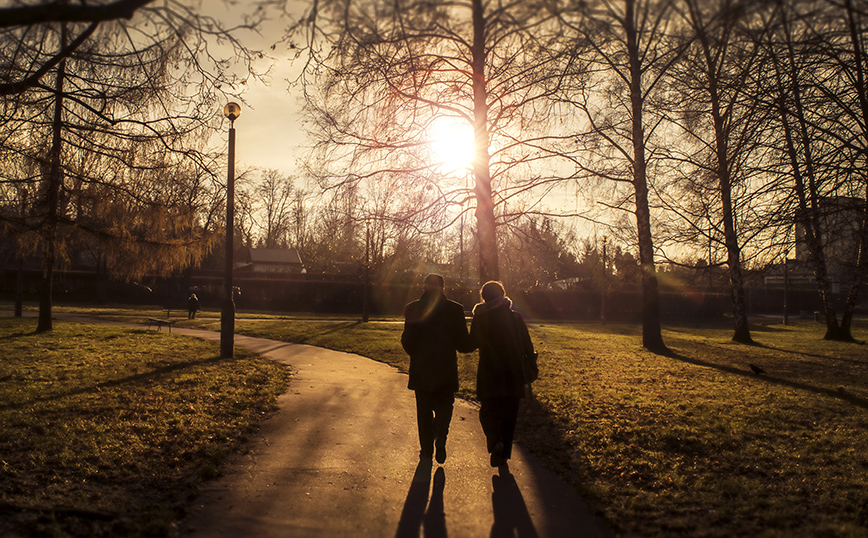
443, 406
508, 417
425, 422
490, 417
488, 420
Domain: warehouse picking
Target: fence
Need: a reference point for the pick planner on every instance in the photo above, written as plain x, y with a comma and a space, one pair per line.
342, 295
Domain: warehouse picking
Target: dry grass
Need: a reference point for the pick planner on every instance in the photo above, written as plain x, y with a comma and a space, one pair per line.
110, 431
691, 444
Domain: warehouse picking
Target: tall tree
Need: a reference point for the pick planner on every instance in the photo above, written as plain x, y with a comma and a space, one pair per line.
125, 95
723, 126
390, 73
622, 52
275, 191
818, 93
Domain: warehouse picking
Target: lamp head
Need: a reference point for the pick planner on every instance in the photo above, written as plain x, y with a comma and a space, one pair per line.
232, 111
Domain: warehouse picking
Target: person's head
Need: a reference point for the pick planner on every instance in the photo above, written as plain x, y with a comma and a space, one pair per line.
492, 290
434, 283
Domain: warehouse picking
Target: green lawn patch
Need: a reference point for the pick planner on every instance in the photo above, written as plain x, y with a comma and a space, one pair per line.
110, 431
380, 340
692, 444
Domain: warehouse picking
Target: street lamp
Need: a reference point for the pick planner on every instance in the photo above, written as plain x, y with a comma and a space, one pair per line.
603, 289
786, 286
365, 303
227, 320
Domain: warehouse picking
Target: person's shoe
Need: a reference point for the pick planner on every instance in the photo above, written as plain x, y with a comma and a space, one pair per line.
441, 453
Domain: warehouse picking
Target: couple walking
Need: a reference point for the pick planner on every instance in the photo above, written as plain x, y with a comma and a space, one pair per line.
434, 331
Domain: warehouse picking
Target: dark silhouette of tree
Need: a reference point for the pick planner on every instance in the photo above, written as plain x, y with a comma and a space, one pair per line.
622, 52
125, 122
723, 125
29, 15
539, 252
381, 75
853, 84
817, 90
274, 191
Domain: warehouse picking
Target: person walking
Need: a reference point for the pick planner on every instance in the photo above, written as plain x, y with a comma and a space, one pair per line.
192, 306
434, 330
507, 362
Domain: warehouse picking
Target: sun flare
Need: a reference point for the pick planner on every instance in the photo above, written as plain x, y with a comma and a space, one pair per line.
451, 144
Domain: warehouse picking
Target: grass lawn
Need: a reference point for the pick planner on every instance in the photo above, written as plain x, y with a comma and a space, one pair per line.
109, 432
692, 444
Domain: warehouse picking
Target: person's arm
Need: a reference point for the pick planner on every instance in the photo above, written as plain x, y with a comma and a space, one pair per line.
410, 336
464, 343
526, 343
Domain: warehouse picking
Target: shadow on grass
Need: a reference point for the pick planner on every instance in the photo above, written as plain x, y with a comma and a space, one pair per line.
814, 355
13, 336
303, 338
837, 394
144, 376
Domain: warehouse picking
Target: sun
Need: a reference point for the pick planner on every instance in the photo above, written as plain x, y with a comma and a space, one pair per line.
451, 144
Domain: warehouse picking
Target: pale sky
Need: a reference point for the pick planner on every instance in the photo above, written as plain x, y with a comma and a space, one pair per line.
268, 133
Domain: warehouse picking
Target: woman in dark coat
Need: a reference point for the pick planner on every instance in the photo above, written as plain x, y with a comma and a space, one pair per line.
503, 341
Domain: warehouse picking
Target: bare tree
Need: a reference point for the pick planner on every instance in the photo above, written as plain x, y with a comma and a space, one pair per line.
125, 94
381, 76
723, 124
19, 80
623, 51
275, 192
818, 93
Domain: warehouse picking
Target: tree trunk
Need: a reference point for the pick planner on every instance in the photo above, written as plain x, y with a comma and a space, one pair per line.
485, 224
810, 211
19, 288
859, 276
733, 250
53, 180
861, 271
652, 339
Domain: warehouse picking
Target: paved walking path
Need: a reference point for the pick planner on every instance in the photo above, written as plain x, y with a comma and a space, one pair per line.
340, 458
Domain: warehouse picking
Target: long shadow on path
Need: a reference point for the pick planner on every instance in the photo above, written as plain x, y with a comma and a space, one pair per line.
418, 513
511, 516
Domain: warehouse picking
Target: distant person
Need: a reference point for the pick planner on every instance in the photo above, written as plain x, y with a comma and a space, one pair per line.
192, 306
434, 330
507, 362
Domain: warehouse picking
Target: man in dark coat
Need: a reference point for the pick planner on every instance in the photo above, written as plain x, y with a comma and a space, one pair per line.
504, 345
434, 330
192, 306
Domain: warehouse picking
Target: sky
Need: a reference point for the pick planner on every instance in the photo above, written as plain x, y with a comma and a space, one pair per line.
269, 133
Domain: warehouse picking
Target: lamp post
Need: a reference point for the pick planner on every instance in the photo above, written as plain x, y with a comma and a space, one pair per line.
227, 320
365, 304
603, 290
786, 286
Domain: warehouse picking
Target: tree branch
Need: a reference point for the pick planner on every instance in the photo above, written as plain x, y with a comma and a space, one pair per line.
58, 12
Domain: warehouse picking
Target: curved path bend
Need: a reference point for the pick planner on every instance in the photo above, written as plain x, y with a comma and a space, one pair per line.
339, 458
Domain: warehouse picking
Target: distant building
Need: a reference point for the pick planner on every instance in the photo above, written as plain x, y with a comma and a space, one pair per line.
841, 219
268, 260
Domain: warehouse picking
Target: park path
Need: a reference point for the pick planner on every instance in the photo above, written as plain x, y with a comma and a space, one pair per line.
339, 458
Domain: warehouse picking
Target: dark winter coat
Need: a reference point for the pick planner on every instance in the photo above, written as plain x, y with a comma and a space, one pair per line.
434, 328
502, 338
